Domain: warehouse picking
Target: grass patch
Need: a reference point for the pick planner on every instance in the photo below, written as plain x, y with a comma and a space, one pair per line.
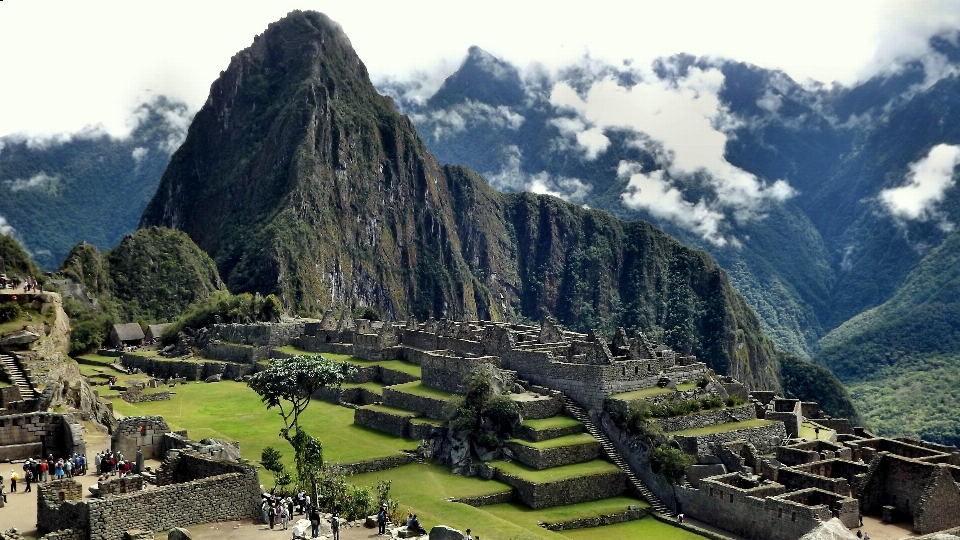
521, 514
96, 359
654, 391
391, 410
568, 440
230, 410
554, 422
417, 388
425, 420
402, 367
597, 466
644, 528
807, 431
722, 428
34, 318
395, 365
422, 489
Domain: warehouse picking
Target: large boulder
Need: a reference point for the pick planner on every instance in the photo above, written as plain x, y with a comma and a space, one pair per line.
831, 530
19, 338
179, 534
213, 378
442, 532
219, 449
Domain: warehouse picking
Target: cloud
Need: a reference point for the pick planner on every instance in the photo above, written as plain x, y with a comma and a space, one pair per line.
770, 101
6, 228
683, 123
654, 193
139, 153
926, 184
456, 119
512, 178
590, 140
38, 182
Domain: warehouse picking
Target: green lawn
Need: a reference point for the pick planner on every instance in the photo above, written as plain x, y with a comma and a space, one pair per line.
644, 528
18, 323
425, 420
807, 431
722, 428
391, 410
417, 388
94, 358
395, 365
553, 422
423, 490
567, 440
554, 474
645, 393
230, 410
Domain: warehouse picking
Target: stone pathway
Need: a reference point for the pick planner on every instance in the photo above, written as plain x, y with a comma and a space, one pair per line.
245, 530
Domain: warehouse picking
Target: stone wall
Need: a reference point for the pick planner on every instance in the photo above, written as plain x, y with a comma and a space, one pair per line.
382, 420
791, 421
8, 395
922, 493
487, 500
390, 377
569, 491
427, 406
37, 434
374, 465
631, 514
191, 370
136, 395
536, 435
706, 418
145, 433
60, 506
545, 458
131, 483
320, 345
538, 406
764, 438
236, 353
263, 334
448, 372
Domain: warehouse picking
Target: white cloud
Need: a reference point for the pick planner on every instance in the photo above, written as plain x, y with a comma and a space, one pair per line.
6, 228
512, 178
38, 181
590, 140
457, 118
593, 142
683, 123
653, 193
926, 184
770, 101
139, 153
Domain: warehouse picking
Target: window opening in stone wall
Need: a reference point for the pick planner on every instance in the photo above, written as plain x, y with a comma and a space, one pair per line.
793, 517
731, 497
779, 512
636, 370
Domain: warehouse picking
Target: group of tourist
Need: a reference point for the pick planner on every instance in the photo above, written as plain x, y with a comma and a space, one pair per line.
112, 463
29, 284
41, 470
280, 510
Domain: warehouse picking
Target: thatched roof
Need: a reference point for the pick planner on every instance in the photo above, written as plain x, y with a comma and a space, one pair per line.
128, 332
155, 330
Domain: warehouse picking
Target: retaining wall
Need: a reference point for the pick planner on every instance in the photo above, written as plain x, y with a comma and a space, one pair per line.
569, 491
559, 456
764, 438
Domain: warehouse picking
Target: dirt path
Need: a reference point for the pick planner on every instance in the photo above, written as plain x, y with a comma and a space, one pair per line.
246, 530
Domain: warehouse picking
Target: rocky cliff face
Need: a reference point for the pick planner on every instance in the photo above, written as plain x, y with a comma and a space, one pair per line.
299, 179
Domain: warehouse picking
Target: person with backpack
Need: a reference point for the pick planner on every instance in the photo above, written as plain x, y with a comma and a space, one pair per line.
284, 515
335, 525
28, 478
13, 481
382, 520
272, 514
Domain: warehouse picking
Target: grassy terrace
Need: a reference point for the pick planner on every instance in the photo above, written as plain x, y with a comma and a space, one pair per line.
18, 323
395, 365
230, 410
722, 428
644, 528
96, 359
417, 388
423, 489
391, 410
554, 422
425, 420
375, 387
807, 431
597, 466
645, 393
568, 440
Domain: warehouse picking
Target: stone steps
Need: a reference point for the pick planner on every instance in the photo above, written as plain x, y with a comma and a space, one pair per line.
17, 377
613, 455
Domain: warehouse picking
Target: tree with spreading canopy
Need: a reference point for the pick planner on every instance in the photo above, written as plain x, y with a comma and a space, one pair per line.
289, 385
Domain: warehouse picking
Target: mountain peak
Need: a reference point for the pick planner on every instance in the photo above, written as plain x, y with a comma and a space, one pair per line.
484, 78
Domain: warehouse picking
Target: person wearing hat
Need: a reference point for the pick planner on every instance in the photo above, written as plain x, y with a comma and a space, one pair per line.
382, 520
13, 481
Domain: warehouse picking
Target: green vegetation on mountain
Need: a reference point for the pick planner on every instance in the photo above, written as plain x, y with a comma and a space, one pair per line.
90, 187
16, 260
152, 275
900, 358
300, 180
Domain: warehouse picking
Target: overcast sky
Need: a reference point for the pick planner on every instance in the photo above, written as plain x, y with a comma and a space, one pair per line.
67, 64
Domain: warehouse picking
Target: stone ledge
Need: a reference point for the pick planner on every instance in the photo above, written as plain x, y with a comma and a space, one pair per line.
598, 521
566, 491
391, 422
558, 456
538, 435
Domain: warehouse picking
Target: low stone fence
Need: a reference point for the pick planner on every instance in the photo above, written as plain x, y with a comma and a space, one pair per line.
546, 458
764, 438
374, 417
632, 513
427, 406
487, 500
539, 407
706, 418
131, 483
375, 465
568, 491
136, 395
238, 354
390, 377
190, 370
537, 435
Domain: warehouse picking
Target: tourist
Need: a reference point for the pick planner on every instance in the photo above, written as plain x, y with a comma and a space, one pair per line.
859, 534
314, 523
382, 520
264, 506
28, 478
58, 468
415, 526
680, 518
409, 520
284, 516
68, 468
302, 500
335, 526
860, 515
272, 514
13, 481
2, 494
468, 537
289, 501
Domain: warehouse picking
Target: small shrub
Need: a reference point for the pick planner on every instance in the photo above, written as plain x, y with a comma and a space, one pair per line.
671, 462
712, 402
735, 401
10, 311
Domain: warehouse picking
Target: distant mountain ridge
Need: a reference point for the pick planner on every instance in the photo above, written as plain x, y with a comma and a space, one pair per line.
334, 201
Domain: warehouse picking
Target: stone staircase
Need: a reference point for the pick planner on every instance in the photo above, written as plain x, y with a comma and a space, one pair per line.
17, 377
576, 411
